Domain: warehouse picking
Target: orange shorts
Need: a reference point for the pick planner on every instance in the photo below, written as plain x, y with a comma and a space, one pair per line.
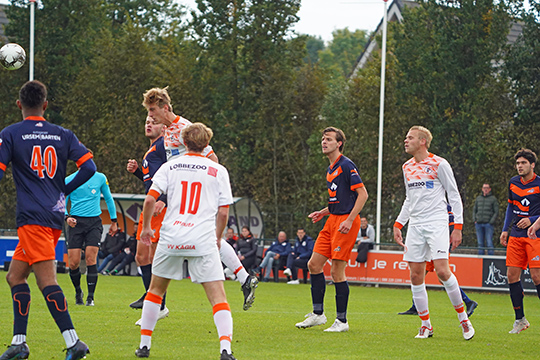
522, 251
36, 243
155, 223
429, 266
333, 244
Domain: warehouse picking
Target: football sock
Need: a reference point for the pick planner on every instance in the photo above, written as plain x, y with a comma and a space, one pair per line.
230, 259
56, 302
146, 271
454, 294
420, 300
18, 339
342, 299
538, 290
163, 302
91, 279
150, 312
464, 297
318, 288
516, 295
75, 276
21, 306
224, 324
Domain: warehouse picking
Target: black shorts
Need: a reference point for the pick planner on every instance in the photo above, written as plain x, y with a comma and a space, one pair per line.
87, 232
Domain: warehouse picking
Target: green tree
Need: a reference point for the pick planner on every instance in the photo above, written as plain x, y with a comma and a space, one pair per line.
341, 53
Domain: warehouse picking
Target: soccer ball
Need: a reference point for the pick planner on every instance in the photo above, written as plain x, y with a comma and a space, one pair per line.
12, 56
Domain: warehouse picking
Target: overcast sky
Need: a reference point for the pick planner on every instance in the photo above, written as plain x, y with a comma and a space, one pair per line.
321, 17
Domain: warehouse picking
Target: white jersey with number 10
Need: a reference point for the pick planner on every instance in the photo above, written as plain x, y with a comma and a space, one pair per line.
196, 187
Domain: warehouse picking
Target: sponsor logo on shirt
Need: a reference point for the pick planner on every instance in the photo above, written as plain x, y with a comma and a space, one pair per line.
39, 124
525, 202
212, 171
429, 184
180, 166
41, 137
181, 223
181, 247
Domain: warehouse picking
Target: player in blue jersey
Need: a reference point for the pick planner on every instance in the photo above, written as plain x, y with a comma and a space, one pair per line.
347, 196
38, 152
523, 246
152, 161
86, 229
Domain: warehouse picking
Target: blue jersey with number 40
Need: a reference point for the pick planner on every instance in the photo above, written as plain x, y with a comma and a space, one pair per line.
39, 152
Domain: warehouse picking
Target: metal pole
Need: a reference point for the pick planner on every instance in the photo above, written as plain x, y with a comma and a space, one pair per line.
31, 55
381, 124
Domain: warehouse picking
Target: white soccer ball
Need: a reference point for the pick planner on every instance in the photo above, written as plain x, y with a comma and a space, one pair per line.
12, 56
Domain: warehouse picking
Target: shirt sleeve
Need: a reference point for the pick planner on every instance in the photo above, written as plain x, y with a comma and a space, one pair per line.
354, 177
6, 147
448, 181
225, 192
405, 212
106, 191
159, 181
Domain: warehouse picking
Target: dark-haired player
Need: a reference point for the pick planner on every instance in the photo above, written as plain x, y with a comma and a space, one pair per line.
39, 152
347, 196
523, 210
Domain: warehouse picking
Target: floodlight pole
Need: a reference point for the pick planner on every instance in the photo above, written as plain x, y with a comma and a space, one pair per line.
381, 124
31, 50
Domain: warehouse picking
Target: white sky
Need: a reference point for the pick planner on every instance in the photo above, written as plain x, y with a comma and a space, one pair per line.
321, 17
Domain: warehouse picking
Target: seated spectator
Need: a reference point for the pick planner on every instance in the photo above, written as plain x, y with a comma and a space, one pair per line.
111, 247
279, 250
126, 256
246, 248
365, 240
299, 257
231, 237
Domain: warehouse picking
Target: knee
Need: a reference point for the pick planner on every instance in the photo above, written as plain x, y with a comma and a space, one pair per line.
443, 274
313, 267
535, 278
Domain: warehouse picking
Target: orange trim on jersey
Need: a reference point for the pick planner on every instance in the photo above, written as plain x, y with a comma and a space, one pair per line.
194, 154
520, 207
153, 193
335, 162
35, 118
221, 306
524, 192
458, 226
526, 182
84, 158
224, 206
333, 175
153, 298
398, 225
2, 166
225, 337
210, 154
354, 187
146, 332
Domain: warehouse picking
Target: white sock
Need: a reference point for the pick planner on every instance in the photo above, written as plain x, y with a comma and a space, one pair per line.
18, 339
150, 312
224, 324
70, 337
454, 294
421, 302
230, 259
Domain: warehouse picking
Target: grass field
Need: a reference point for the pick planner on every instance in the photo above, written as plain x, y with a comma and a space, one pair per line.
267, 330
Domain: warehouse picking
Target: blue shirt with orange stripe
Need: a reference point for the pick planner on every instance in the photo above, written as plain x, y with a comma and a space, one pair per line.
39, 152
342, 180
523, 202
152, 161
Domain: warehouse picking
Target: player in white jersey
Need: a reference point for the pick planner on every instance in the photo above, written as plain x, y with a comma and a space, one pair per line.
199, 194
428, 178
158, 104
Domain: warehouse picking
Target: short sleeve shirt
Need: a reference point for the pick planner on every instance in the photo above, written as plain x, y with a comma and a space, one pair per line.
342, 180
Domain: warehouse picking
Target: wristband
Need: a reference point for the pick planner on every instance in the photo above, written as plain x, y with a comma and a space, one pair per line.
114, 220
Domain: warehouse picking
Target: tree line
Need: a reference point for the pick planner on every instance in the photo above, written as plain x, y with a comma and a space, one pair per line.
267, 92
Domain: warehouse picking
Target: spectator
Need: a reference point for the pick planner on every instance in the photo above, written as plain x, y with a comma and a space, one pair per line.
246, 247
125, 257
279, 249
299, 257
485, 211
231, 238
365, 240
111, 247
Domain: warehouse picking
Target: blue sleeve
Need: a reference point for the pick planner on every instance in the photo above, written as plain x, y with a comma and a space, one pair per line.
307, 254
508, 217
106, 191
6, 148
86, 171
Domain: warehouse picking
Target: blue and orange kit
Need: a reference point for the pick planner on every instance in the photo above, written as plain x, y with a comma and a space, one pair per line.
523, 202
342, 179
39, 152
152, 161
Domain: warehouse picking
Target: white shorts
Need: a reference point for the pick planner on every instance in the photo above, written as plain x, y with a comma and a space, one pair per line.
201, 269
427, 242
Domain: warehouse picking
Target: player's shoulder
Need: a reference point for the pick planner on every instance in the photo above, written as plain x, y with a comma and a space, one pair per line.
345, 161
433, 159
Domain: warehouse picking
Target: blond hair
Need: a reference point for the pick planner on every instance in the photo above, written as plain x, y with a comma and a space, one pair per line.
197, 136
157, 96
424, 133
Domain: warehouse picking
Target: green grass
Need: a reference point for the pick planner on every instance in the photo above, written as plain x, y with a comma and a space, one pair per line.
267, 330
